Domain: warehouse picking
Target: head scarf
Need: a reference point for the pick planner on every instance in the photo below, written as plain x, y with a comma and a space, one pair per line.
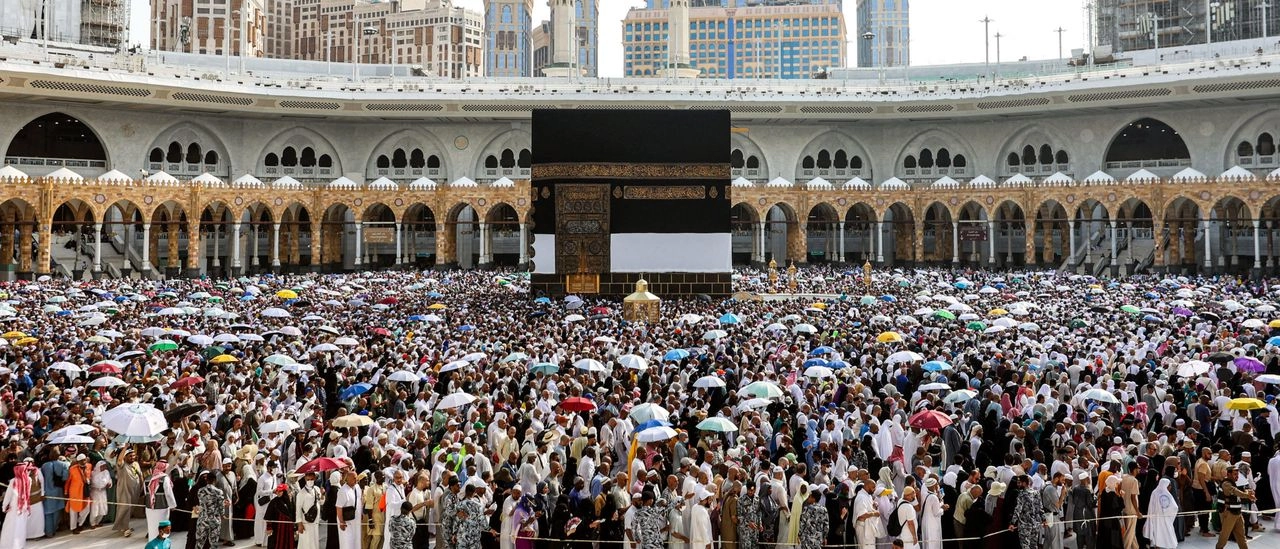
22, 486
157, 475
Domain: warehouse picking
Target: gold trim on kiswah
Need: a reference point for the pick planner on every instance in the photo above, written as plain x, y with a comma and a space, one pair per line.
664, 192
631, 171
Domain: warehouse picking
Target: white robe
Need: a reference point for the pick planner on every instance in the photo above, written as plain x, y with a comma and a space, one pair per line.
700, 528
309, 537
871, 529
14, 533
1273, 473
508, 538
931, 522
349, 538
395, 496
1161, 512
266, 488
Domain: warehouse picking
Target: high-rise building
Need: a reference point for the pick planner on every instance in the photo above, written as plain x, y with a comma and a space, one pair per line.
884, 33
740, 38
508, 37
213, 27
442, 39
93, 22
541, 47
587, 47
1128, 25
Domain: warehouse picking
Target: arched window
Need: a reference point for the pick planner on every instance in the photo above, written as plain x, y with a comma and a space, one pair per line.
289, 158
807, 163
491, 162
157, 155
1061, 157
508, 159
944, 158
909, 162
959, 161
1046, 154
1013, 159
271, 160
926, 158
753, 163
735, 159
1028, 155
1266, 145
211, 158
1245, 148
433, 162
841, 160
824, 160
308, 157
325, 161
193, 153
526, 159
398, 159
57, 135
175, 153
416, 159
383, 162
1147, 139
856, 163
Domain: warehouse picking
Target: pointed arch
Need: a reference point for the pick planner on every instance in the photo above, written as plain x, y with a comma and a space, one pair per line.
187, 133
416, 145
508, 142
303, 154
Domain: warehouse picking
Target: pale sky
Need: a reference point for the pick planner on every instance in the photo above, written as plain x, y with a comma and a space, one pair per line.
942, 31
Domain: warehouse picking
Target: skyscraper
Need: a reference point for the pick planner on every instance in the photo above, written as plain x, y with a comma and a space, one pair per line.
508, 37
740, 38
884, 33
1128, 25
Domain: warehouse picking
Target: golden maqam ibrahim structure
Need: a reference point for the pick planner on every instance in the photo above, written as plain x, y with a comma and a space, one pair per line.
640, 305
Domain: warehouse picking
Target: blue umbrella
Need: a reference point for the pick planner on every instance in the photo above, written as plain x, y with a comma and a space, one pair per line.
837, 364
354, 391
1274, 341
888, 298
417, 318
544, 368
466, 328
729, 318
1152, 318
823, 350
121, 299
815, 362
1151, 295
543, 300
675, 354
434, 294
247, 297
651, 424
1000, 285
962, 285
936, 366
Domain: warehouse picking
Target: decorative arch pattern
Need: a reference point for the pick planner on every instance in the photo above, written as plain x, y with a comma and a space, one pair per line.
301, 154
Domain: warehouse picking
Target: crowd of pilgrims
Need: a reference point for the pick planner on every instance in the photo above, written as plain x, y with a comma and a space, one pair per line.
798, 424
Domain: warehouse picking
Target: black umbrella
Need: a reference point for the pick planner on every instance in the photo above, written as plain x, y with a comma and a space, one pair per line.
1100, 309
1209, 316
183, 410
1220, 357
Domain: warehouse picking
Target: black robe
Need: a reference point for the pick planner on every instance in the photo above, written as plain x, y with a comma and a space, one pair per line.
281, 531
329, 514
244, 509
180, 517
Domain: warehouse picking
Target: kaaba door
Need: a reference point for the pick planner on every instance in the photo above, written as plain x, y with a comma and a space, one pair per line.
582, 229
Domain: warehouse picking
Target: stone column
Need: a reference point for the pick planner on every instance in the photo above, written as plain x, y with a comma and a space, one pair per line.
1029, 241
255, 231
317, 232
485, 260
6, 240
955, 242
1115, 257
195, 251
399, 245
1257, 248
758, 242
217, 252
235, 249
524, 245
97, 250
24, 251
1071, 244
1208, 248
359, 260
44, 248
146, 248
840, 241
991, 242
879, 241
275, 247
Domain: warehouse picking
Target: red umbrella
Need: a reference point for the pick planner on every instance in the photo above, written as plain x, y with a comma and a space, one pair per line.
323, 464
382, 332
930, 420
187, 382
601, 311
389, 301
578, 404
104, 368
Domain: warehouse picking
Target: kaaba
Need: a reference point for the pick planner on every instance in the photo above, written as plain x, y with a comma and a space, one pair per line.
621, 195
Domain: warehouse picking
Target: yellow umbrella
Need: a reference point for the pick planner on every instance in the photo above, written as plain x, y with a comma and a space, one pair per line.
436, 306
997, 312
1095, 286
26, 341
223, 359
14, 335
287, 294
822, 306
889, 337
1245, 404
1274, 323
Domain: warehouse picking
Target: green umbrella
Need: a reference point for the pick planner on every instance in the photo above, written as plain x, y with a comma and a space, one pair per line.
212, 351
544, 368
163, 345
1130, 309
215, 299
867, 300
1078, 323
975, 325
945, 314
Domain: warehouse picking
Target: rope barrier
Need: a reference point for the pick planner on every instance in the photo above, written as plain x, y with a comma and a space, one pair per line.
771, 543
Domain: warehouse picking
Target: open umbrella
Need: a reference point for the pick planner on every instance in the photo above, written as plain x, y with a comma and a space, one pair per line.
323, 464
71, 439
675, 355
936, 366
819, 372
278, 426
177, 413
649, 411
889, 337
133, 419
1099, 395
455, 400
633, 362
1192, 368
577, 404
930, 420
354, 391
1245, 404
656, 434
709, 382
403, 376
188, 381
956, 397
353, 420
545, 368
935, 387
717, 424
904, 356
590, 365
1249, 364
762, 389
107, 381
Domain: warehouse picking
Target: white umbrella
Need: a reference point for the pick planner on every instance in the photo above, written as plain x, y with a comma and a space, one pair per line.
71, 439
604, 339
297, 367
754, 404
135, 420
590, 365
403, 375
278, 426
153, 331
709, 382
251, 337
226, 338
78, 429
934, 387
633, 362
455, 365
280, 360
574, 318
995, 329
1253, 323
275, 312
1099, 395
656, 434
346, 342
713, 335
819, 372
804, 329
1268, 378
904, 356
474, 357
66, 367
649, 411
775, 327
323, 348
762, 389
92, 321
956, 397
1192, 368
107, 381
200, 339
455, 400
690, 318
291, 331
